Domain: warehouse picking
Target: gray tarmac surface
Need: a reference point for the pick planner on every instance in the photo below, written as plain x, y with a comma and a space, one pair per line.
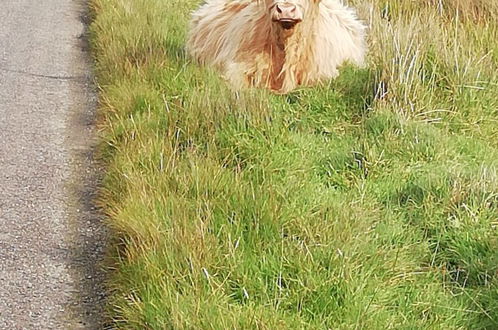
51, 236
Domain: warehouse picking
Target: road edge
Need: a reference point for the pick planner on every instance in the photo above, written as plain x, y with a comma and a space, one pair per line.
88, 235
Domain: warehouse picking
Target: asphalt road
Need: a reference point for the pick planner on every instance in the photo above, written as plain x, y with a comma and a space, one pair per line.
51, 237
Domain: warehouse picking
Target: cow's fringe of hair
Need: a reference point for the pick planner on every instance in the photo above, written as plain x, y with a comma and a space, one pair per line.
239, 39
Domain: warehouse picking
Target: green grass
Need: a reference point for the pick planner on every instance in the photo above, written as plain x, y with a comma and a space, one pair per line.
369, 203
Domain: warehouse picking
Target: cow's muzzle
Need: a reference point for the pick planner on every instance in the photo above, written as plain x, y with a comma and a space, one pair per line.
287, 14
288, 24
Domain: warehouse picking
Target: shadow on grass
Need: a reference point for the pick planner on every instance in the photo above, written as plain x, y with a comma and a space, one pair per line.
357, 87
176, 51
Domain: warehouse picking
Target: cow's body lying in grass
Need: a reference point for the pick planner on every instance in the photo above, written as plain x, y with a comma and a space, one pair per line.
276, 44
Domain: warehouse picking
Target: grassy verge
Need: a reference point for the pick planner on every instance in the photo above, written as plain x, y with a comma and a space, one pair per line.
368, 203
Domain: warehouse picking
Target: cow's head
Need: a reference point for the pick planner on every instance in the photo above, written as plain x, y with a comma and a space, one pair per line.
288, 13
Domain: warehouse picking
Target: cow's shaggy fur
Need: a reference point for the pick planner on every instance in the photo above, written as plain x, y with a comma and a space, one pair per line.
241, 40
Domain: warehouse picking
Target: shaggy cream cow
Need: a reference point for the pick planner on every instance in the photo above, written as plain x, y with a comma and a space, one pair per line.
276, 44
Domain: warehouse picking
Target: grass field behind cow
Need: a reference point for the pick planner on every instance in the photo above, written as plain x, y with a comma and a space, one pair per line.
369, 203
